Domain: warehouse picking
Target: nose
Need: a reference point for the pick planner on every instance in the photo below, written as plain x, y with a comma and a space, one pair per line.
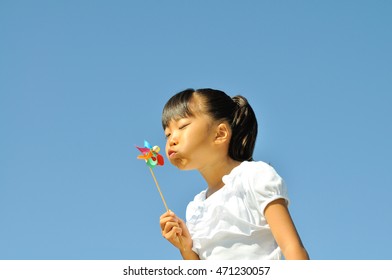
173, 140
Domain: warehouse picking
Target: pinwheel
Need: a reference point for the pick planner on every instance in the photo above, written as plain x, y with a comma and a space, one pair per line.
150, 155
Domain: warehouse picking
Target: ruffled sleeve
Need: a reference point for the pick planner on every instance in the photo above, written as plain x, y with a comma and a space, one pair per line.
266, 185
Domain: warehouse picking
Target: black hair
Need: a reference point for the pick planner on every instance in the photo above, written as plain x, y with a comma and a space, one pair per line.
236, 111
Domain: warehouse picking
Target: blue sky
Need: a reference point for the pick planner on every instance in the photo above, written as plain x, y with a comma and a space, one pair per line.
83, 82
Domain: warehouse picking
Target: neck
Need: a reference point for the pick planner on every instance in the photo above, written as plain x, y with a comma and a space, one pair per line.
214, 172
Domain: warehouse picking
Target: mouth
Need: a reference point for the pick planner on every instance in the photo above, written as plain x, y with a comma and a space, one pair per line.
171, 153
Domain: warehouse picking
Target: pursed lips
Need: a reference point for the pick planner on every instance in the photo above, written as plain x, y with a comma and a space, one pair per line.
171, 153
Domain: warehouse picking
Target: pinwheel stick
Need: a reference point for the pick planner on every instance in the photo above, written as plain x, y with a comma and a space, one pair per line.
159, 189
164, 202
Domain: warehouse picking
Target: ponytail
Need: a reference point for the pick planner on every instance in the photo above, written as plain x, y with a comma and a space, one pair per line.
244, 130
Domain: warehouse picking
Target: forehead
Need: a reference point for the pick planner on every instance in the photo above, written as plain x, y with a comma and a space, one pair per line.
179, 108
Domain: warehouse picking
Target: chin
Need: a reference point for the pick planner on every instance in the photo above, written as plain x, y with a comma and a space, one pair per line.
180, 164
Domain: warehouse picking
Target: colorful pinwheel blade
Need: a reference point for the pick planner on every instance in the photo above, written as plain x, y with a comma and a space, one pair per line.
143, 150
147, 145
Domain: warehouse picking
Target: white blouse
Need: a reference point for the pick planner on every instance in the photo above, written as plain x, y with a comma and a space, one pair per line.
230, 224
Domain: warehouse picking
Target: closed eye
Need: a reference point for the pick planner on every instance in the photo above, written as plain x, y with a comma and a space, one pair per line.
183, 126
167, 133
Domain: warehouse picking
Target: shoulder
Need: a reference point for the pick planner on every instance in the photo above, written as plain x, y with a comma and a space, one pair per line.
256, 176
256, 165
263, 182
258, 170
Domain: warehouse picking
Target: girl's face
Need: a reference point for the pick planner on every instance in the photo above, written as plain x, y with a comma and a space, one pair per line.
189, 141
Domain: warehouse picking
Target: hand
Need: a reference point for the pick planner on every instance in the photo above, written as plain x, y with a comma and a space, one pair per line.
175, 231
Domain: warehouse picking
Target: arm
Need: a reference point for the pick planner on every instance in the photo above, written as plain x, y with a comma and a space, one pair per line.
284, 231
176, 232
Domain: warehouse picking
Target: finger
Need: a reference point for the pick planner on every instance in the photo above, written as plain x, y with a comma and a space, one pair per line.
181, 223
166, 214
173, 234
166, 220
170, 226
169, 218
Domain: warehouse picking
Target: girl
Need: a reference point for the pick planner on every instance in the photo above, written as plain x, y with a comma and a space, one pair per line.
243, 212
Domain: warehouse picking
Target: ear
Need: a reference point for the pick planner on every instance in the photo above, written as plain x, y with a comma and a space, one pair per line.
223, 133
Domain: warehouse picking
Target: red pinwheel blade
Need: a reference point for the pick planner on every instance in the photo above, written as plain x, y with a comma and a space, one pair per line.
160, 159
